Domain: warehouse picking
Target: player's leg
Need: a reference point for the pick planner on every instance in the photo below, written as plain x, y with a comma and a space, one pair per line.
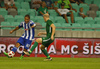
46, 41
22, 55
39, 40
19, 42
14, 49
45, 52
27, 44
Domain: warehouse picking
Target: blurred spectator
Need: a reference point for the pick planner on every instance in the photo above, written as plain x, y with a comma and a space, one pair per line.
49, 4
80, 1
76, 1
35, 4
81, 13
42, 10
10, 4
2, 4
64, 12
55, 5
67, 4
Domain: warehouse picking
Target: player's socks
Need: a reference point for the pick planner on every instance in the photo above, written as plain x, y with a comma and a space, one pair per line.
14, 49
21, 57
6, 53
33, 47
30, 52
46, 53
48, 57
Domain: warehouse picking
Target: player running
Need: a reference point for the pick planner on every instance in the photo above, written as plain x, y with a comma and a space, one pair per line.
27, 38
46, 41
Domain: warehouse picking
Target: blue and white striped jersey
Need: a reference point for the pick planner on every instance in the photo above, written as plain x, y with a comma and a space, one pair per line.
29, 34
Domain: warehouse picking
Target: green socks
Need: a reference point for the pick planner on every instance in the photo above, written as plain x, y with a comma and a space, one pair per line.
46, 53
33, 47
21, 57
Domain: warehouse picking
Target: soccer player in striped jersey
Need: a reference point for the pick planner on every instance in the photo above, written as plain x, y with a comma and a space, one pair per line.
27, 38
46, 41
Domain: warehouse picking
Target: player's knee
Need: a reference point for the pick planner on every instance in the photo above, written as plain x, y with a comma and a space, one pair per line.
42, 47
17, 45
39, 40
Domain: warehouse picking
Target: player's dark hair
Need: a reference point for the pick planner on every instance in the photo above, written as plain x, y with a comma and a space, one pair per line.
27, 16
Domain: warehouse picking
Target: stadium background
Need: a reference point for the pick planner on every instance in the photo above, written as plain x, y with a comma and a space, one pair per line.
87, 29
71, 38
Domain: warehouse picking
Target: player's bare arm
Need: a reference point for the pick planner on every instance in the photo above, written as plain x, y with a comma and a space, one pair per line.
53, 31
42, 33
14, 30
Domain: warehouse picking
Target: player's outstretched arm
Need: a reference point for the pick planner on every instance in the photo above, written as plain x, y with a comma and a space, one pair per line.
42, 33
53, 31
14, 30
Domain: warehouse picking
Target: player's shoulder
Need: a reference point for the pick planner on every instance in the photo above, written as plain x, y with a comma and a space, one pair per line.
22, 22
49, 21
31, 21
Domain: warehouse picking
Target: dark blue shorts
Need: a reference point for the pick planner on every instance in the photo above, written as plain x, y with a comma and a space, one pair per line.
24, 42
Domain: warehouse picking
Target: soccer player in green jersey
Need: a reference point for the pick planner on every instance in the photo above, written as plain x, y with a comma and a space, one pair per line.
46, 41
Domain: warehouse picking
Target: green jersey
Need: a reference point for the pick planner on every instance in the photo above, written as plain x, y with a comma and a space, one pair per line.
56, 5
46, 41
67, 2
48, 28
43, 10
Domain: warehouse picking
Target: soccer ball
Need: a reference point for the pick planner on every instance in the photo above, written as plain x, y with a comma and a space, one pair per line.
11, 54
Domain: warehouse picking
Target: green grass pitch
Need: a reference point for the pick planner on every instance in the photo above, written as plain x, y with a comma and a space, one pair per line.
56, 63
